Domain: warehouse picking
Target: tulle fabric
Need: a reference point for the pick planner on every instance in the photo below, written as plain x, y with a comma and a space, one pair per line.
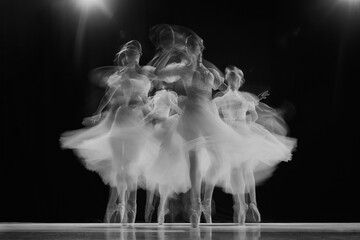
92, 158
266, 142
119, 154
215, 143
170, 170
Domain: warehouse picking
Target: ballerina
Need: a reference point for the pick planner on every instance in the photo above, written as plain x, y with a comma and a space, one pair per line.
169, 172
265, 149
117, 147
207, 138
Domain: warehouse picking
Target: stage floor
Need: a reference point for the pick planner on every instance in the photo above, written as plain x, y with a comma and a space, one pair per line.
143, 231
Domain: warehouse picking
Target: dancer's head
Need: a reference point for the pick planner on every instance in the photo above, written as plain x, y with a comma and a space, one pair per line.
129, 53
194, 45
234, 77
165, 36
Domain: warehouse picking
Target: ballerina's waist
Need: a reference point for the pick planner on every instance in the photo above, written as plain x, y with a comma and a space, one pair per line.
198, 93
235, 120
119, 102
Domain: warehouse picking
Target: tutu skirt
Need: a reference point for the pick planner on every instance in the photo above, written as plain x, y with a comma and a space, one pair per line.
119, 154
216, 144
264, 150
170, 170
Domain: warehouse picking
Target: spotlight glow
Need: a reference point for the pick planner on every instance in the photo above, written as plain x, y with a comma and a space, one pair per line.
350, 2
87, 5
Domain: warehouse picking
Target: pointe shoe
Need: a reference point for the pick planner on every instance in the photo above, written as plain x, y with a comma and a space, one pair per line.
255, 212
236, 209
206, 210
131, 214
161, 216
195, 213
242, 214
121, 211
148, 214
195, 217
110, 211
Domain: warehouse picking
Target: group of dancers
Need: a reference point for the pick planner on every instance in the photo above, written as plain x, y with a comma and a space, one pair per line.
146, 134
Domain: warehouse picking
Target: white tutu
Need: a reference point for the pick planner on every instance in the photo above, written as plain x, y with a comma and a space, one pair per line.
120, 154
215, 142
92, 155
263, 150
170, 170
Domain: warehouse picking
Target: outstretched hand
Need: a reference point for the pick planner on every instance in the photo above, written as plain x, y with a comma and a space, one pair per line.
263, 95
91, 121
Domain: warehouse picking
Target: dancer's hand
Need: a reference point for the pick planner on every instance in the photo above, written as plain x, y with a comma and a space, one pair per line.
263, 95
91, 121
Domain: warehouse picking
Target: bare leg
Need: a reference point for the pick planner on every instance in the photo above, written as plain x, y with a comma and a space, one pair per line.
207, 202
149, 207
111, 205
238, 189
251, 189
210, 185
195, 178
162, 209
131, 206
122, 200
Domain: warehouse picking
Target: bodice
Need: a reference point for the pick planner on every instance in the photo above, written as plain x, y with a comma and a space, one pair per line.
201, 83
130, 87
162, 102
233, 106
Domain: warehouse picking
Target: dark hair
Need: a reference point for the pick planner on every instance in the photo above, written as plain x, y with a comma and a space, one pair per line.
233, 68
132, 45
194, 41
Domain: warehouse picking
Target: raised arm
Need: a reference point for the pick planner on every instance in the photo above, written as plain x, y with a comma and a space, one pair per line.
252, 112
172, 72
105, 100
149, 71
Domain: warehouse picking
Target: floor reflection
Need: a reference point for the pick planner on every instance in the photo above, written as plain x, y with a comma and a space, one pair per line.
171, 233
138, 231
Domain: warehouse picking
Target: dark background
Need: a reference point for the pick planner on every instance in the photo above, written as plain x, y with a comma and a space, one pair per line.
306, 52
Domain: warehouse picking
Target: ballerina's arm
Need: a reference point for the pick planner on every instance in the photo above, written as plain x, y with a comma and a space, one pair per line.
105, 100
253, 115
174, 71
263, 95
149, 71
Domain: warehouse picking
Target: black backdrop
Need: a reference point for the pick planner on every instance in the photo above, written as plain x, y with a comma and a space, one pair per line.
304, 51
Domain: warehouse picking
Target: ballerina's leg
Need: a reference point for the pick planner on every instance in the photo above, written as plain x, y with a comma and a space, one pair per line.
122, 192
149, 206
210, 185
195, 179
163, 208
250, 184
238, 190
206, 203
111, 207
131, 205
